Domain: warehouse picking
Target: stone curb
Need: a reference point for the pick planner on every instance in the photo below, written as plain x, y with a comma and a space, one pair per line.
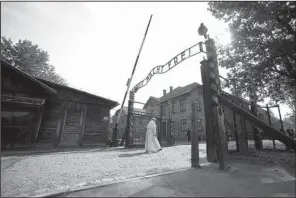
98, 183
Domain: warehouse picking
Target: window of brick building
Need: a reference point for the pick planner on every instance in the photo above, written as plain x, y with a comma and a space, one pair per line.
182, 105
183, 124
163, 110
198, 123
173, 124
173, 107
198, 105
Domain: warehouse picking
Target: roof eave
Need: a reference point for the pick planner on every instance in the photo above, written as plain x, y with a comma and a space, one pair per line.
115, 104
42, 85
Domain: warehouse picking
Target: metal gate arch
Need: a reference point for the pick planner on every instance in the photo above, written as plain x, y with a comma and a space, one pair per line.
206, 47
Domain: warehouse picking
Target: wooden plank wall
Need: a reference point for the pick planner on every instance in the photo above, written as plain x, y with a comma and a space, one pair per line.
70, 121
47, 134
96, 129
72, 128
61, 124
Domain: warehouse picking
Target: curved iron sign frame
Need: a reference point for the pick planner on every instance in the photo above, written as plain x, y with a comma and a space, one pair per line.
161, 69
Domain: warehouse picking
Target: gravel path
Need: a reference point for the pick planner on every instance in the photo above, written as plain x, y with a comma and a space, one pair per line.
29, 174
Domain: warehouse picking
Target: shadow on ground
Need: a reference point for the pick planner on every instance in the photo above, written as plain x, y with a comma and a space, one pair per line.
243, 179
132, 154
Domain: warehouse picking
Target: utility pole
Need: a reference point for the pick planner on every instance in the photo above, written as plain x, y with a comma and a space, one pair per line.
114, 134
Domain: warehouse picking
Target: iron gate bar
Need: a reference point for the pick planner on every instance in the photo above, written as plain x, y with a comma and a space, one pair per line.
151, 73
161, 69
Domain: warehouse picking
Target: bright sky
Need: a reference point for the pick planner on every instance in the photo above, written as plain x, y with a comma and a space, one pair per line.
94, 45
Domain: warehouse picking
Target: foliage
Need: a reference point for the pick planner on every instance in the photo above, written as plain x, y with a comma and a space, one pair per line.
263, 48
30, 59
290, 118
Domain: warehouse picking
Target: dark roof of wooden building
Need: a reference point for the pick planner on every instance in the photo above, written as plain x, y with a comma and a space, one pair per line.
111, 102
6, 65
50, 86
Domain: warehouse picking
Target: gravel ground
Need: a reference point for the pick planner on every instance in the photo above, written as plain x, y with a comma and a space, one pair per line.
21, 175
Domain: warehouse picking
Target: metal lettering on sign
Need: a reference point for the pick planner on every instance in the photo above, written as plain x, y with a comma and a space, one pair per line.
161, 69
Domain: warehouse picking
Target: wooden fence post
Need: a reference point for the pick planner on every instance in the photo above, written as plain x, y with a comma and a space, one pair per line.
210, 137
194, 139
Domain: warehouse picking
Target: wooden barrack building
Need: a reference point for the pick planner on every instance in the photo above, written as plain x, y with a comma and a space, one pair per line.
36, 113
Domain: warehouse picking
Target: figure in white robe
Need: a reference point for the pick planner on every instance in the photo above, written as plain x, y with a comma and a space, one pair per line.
151, 143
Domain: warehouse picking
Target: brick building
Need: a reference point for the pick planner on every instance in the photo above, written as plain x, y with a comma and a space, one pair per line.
182, 99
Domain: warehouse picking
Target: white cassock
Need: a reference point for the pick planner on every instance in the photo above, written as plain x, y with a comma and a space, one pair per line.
151, 143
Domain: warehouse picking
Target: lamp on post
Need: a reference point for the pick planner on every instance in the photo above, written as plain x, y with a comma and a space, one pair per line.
202, 31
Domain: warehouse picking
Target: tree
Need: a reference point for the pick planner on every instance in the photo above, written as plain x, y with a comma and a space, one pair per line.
30, 59
263, 47
290, 118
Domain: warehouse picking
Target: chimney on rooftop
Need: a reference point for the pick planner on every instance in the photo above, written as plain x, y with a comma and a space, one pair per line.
171, 89
164, 92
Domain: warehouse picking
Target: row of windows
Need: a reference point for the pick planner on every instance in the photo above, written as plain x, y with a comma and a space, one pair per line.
182, 107
184, 124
